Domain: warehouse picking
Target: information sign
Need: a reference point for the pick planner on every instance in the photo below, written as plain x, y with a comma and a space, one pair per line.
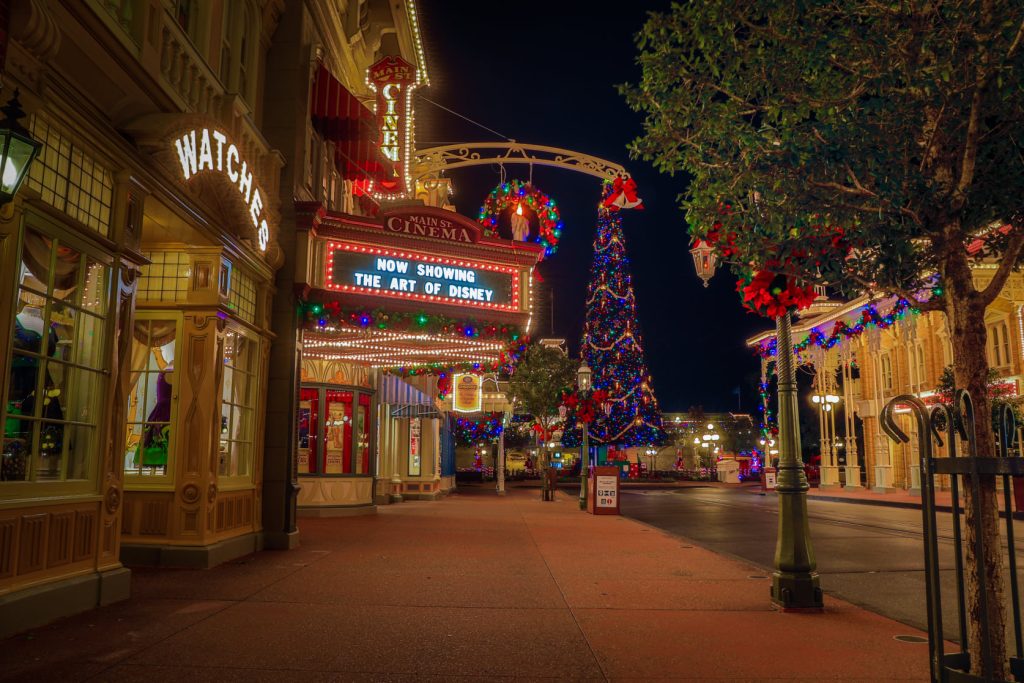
607, 491
468, 393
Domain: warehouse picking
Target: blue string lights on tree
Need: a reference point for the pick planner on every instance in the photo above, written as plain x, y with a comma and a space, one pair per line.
612, 345
470, 432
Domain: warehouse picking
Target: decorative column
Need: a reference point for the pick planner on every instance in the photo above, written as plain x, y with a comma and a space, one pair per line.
794, 581
850, 422
501, 455
883, 460
824, 381
395, 493
909, 328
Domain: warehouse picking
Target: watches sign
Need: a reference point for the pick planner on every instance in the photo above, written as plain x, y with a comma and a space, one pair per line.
420, 277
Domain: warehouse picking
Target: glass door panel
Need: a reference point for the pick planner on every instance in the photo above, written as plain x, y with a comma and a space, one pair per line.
338, 433
308, 425
363, 435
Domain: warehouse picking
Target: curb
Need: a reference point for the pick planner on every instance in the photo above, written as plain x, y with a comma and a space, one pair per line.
1019, 515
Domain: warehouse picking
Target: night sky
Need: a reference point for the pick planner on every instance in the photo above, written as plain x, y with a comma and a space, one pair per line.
545, 73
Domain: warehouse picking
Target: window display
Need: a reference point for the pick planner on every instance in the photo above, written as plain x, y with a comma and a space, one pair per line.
58, 373
151, 397
333, 427
338, 437
238, 404
307, 423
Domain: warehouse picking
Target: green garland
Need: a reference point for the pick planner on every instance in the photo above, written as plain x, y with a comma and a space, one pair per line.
317, 315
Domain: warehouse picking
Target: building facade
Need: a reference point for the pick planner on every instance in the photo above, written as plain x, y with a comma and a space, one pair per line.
867, 351
153, 270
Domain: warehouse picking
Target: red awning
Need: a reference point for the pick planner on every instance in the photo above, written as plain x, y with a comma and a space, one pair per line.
339, 117
338, 114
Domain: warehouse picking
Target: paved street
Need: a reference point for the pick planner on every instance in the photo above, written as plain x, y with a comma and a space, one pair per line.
869, 555
473, 587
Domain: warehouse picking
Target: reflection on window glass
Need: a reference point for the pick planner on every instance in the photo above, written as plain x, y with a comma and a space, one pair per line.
57, 366
238, 404
363, 435
333, 431
150, 398
338, 433
308, 423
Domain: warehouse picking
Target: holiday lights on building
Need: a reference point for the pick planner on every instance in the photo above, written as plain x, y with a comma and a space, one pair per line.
867, 317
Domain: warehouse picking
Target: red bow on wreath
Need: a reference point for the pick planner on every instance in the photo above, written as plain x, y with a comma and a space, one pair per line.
623, 196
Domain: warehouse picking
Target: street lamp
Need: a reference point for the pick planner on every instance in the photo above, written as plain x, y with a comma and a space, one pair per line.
795, 583
583, 376
704, 259
17, 149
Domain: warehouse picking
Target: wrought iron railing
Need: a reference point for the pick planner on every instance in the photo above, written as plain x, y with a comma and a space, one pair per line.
957, 423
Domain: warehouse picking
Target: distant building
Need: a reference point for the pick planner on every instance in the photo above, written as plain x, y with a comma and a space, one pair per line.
737, 433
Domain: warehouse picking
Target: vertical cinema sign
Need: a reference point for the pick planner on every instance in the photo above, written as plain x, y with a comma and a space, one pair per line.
394, 80
204, 149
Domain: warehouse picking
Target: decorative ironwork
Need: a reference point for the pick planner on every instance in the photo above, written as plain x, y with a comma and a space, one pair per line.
436, 159
958, 422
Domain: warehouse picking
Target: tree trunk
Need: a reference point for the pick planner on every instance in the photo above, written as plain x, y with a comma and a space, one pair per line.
966, 312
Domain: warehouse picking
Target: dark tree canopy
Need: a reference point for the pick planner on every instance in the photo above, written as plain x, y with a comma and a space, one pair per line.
900, 122
862, 144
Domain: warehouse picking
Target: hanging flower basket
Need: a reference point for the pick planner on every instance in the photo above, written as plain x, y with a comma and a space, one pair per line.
773, 295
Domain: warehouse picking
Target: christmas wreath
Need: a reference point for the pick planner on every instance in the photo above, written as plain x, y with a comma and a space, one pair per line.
517, 195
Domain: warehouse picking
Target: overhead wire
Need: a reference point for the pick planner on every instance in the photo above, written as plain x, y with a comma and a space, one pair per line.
465, 118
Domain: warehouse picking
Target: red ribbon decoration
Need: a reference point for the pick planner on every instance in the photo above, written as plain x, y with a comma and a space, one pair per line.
623, 196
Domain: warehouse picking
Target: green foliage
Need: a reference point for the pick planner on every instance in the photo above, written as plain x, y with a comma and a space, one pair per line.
900, 122
540, 376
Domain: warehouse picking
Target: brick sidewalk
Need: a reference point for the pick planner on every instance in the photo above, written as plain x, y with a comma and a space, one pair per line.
470, 586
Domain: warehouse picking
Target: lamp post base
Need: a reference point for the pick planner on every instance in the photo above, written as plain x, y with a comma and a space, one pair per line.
796, 591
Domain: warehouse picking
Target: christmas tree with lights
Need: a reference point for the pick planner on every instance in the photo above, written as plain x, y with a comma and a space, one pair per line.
611, 343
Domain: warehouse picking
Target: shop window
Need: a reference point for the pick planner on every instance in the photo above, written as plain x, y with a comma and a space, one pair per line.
999, 345
151, 397
185, 15
58, 364
338, 433
886, 372
124, 13
69, 179
333, 431
165, 278
238, 404
226, 40
242, 297
308, 430
237, 51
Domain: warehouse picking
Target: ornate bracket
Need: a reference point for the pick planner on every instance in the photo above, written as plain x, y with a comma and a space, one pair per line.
433, 160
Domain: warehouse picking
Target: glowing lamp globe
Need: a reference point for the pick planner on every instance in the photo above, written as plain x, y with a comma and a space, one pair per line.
17, 149
583, 376
704, 260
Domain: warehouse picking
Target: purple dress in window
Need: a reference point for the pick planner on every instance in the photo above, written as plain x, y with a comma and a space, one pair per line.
161, 412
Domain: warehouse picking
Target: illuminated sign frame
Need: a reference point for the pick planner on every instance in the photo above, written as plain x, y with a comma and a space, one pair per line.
215, 152
477, 387
329, 283
394, 80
